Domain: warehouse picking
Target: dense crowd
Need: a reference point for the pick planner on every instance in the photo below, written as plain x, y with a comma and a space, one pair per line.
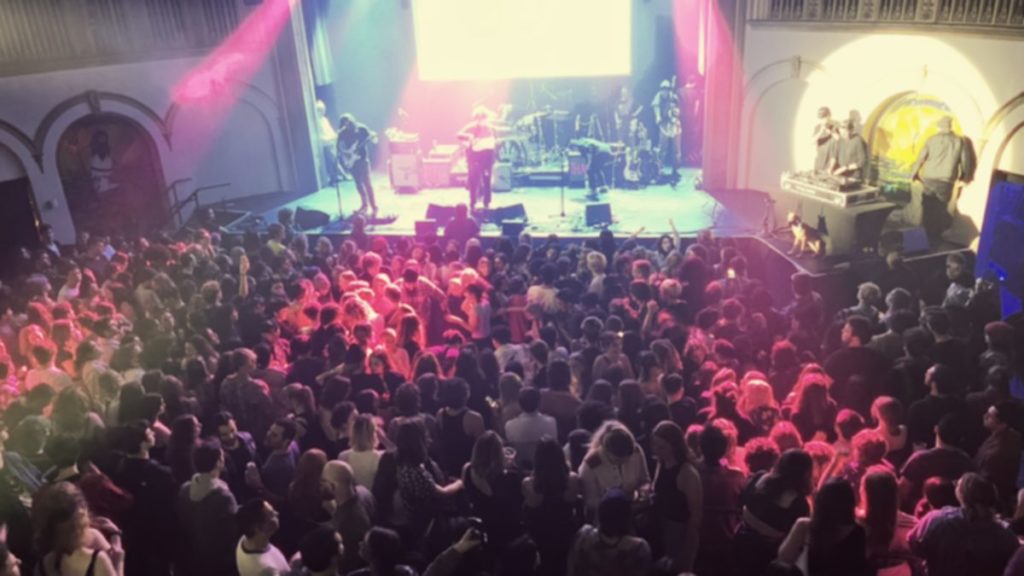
257, 405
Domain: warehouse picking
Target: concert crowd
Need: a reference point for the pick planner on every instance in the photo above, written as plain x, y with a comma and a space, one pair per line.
217, 404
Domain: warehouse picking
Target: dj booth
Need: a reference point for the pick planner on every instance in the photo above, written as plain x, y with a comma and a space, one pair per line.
847, 212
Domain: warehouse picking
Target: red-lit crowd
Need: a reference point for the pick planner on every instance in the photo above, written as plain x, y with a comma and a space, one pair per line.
277, 404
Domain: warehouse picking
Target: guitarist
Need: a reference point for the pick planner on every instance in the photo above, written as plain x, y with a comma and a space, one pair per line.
666, 116
354, 140
479, 138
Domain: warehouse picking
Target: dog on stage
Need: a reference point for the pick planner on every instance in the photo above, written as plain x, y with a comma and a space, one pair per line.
805, 237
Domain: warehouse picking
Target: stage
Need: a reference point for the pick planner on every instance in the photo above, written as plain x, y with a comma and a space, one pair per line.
648, 209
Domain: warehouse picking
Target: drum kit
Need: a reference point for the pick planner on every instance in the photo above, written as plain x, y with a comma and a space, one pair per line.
533, 139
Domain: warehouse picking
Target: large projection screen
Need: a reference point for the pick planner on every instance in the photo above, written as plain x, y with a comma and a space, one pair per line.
499, 39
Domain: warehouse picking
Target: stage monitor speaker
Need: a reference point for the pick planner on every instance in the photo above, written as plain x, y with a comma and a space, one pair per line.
426, 229
441, 214
507, 213
512, 230
309, 219
905, 241
599, 215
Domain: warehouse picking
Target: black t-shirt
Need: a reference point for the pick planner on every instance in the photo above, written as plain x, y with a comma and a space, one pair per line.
926, 413
948, 463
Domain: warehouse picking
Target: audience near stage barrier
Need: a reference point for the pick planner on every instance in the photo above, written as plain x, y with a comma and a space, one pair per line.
277, 405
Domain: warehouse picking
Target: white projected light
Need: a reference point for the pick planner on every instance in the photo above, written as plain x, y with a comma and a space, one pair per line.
494, 39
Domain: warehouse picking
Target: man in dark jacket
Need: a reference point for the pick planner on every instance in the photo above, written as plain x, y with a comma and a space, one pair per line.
206, 511
150, 524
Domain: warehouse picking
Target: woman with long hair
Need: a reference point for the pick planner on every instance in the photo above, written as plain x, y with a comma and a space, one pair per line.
183, 442
772, 503
887, 412
678, 496
66, 544
830, 542
363, 456
886, 526
614, 460
814, 410
410, 335
424, 493
493, 490
551, 496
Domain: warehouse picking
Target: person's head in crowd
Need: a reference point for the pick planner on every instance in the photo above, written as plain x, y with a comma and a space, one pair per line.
1001, 415
509, 385
868, 294
321, 551
257, 520
977, 496
208, 458
937, 493
822, 454
559, 375
793, 473
592, 414
900, 321
760, 455
381, 548
60, 519
834, 513
848, 424
813, 398
956, 266
614, 514
938, 322
363, 433
856, 332
714, 445
869, 448
887, 413
487, 459
407, 400
529, 400
454, 394
998, 378
879, 502
281, 434
941, 380
949, 432
614, 443
668, 444
917, 342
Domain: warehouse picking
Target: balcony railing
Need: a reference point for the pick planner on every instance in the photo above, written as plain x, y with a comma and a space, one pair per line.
49, 34
998, 14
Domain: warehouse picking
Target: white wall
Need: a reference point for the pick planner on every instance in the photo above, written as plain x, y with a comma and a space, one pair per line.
791, 71
243, 144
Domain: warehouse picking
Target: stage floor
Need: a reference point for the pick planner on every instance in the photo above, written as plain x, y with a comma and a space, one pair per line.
649, 208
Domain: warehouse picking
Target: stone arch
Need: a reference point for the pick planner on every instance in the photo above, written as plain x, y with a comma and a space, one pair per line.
270, 141
760, 85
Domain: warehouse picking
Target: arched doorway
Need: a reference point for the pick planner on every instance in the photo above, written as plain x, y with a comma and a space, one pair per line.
112, 176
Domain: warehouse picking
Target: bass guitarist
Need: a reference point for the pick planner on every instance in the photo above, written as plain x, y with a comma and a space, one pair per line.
481, 142
354, 140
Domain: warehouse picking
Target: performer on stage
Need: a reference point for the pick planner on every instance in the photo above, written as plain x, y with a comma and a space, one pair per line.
622, 113
481, 144
851, 152
599, 157
945, 160
824, 136
666, 116
328, 143
354, 140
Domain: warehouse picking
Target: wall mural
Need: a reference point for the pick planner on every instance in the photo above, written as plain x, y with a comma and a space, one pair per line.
900, 131
111, 175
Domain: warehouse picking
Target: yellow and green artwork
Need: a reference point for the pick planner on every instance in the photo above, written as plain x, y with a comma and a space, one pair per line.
899, 134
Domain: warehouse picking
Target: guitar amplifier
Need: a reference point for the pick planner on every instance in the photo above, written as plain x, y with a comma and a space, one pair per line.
501, 177
404, 170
